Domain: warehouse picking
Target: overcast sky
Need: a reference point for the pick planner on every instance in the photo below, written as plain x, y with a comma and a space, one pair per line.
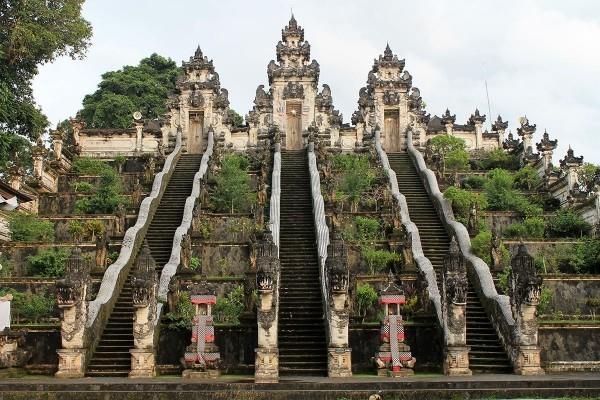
540, 58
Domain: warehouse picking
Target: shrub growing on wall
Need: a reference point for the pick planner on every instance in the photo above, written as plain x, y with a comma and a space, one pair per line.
450, 151
481, 246
89, 166
378, 260
26, 227
48, 262
356, 178
462, 200
228, 309
366, 298
567, 223
233, 191
106, 199
29, 307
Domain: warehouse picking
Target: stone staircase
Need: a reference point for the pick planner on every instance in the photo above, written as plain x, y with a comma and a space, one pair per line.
487, 354
111, 357
302, 343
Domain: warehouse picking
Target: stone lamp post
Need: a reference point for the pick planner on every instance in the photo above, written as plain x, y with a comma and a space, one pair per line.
72, 296
267, 284
394, 357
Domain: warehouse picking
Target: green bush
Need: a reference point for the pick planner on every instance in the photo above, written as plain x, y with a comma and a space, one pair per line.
501, 196
228, 309
367, 228
586, 256
567, 223
531, 227
496, 158
481, 246
356, 177
82, 187
474, 182
233, 191
545, 306
462, 200
366, 298
107, 198
457, 160
378, 260
29, 307
26, 227
90, 166
527, 178
48, 262
181, 317
195, 263
449, 150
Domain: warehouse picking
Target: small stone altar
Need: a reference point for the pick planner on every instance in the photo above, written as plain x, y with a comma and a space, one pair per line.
394, 357
201, 359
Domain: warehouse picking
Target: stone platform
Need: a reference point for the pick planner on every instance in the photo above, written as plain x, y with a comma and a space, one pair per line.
243, 388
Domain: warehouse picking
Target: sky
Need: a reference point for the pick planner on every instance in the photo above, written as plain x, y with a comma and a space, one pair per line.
540, 59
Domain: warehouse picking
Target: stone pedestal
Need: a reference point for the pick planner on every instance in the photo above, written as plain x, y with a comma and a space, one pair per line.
10, 353
266, 367
528, 361
456, 361
143, 363
339, 363
194, 374
71, 363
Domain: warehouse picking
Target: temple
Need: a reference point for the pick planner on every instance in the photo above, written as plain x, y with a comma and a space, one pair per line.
298, 244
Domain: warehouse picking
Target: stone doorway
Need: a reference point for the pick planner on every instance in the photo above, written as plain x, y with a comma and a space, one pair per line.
391, 130
195, 132
293, 132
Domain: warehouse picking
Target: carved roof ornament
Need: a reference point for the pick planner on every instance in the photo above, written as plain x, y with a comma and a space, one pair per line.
336, 119
454, 262
448, 118
390, 288
357, 117
323, 100
198, 62
391, 98
526, 129
570, 160
222, 100
293, 90
263, 100
365, 99
476, 118
524, 280
511, 144
499, 125
196, 99
292, 29
546, 144
389, 60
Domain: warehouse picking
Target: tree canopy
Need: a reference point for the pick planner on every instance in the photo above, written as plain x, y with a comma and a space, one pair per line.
143, 88
34, 32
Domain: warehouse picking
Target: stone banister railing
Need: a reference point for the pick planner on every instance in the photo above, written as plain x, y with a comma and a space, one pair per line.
170, 268
115, 275
275, 203
496, 305
417, 251
321, 229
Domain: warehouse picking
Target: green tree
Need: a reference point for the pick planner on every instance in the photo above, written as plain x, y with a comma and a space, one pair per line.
233, 191
462, 200
144, 87
34, 32
567, 223
527, 178
235, 118
107, 198
448, 148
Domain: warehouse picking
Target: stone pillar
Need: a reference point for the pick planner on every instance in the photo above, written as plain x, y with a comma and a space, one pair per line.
571, 164
500, 126
526, 132
57, 143
144, 283
448, 121
77, 125
139, 135
525, 285
267, 283
16, 174
339, 364
477, 121
72, 295
38, 152
454, 306
202, 357
394, 357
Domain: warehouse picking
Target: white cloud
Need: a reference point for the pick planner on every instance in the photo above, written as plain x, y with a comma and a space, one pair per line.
540, 58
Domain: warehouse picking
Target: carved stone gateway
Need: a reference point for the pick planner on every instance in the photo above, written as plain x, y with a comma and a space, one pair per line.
454, 306
201, 359
144, 283
525, 285
339, 364
266, 369
394, 357
72, 294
